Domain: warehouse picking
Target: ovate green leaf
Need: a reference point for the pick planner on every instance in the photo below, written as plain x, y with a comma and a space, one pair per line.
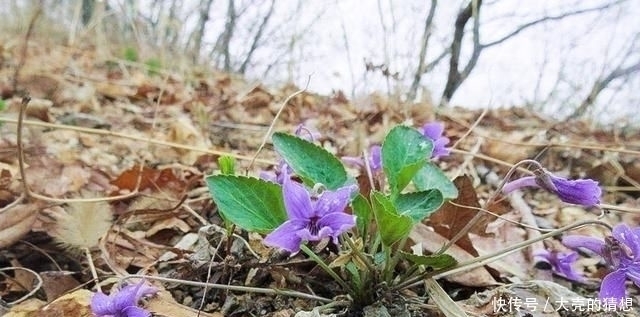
404, 152
431, 177
419, 205
250, 203
392, 226
311, 162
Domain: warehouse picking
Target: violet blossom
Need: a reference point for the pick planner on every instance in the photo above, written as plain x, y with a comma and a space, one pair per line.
621, 253
123, 303
282, 171
560, 262
311, 219
435, 132
584, 192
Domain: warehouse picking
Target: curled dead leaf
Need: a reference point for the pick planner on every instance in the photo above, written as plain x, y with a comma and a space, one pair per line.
15, 222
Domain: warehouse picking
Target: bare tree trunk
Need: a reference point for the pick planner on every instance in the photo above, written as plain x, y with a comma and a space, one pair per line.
257, 38
199, 33
426, 35
456, 77
229, 28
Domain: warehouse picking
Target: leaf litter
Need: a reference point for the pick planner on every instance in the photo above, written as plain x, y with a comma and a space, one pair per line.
144, 143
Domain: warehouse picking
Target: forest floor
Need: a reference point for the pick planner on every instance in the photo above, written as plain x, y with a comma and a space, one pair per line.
121, 147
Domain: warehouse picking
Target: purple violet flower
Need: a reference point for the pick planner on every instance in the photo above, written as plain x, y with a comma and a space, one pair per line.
561, 263
375, 159
123, 303
584, 192
311, 220
434, 131
282, 171
621, 253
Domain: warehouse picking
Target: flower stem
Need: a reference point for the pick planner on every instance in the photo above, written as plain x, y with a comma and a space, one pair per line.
325, 267
477, 217
482, 260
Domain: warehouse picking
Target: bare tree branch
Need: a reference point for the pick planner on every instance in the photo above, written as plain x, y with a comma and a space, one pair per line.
551, 18
426, 35
600, 85
257, 38
455, 77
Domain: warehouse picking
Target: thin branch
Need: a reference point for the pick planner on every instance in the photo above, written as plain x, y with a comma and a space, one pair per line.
257, 38
426, 35
550, 18
600, 85
23, 54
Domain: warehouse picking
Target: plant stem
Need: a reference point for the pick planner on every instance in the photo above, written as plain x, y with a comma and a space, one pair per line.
393, 261
325, 267
477, 217
482, 260
358, 253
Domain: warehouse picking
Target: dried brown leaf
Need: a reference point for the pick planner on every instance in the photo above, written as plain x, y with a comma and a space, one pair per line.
432, 242
450, 219
16, 222
57, 283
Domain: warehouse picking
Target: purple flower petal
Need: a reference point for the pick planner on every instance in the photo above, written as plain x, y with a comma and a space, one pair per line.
613, 286
339, 222
134, 311
565, 263
584, 192
333, 201
285, 237
375, 162
560, 262
296, 200
577, 241
101, 305
439, 149
629, 238
434, 131
123, 303
633, 273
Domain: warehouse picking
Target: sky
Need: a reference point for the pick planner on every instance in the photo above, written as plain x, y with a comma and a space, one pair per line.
558, 58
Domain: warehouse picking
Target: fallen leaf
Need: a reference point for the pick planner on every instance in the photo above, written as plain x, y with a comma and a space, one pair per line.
432, 242
57, 283
17, 221
150, 178
450, 219
163, 304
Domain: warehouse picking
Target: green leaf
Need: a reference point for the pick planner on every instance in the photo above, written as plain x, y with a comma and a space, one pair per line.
392, 226
404, 152
362, 211
250, 203
311, 162
432, 177
227, 165
419, 205
435, 262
